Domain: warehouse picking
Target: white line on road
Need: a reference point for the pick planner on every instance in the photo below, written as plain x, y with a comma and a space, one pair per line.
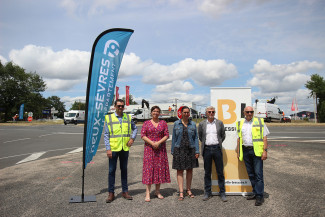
76, 150
31, 157
16, 140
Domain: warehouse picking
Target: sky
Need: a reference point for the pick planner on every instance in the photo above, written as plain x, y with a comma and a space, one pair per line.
179, 48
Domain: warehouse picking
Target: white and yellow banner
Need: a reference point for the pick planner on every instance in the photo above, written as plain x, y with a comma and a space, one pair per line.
229, 104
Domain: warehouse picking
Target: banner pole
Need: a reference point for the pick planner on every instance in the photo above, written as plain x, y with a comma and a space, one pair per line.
92, 198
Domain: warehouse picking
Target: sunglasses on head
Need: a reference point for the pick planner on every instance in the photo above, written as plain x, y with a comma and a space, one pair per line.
249, 112
120, 106
211, 112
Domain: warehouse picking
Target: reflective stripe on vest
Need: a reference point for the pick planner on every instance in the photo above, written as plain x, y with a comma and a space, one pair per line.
119, 132
257, 140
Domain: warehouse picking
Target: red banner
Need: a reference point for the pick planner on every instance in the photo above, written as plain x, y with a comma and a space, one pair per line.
293, 108
116, 93
127, 97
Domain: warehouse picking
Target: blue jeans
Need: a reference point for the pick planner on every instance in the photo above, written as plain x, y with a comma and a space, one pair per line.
213, 152
254, 167
123, 155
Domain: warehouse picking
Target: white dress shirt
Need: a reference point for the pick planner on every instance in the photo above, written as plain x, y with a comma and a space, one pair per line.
211, 133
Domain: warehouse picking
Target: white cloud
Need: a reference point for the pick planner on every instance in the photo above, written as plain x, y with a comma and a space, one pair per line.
132, 65
68, 101
278, 78
203, 72
69, 5
174, 87
61, 70
3, 60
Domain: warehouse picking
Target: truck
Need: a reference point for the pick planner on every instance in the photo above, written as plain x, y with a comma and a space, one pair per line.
143, 114
74, 117
267, 110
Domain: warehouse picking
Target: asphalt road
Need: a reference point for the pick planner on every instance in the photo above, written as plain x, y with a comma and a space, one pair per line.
21, 144
294, 178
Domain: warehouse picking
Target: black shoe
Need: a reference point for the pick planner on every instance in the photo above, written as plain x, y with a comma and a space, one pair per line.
206, 196
223, 198
251, 197
259, 201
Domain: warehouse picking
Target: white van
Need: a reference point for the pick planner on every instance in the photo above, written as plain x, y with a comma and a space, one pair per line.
270, 112
74, 117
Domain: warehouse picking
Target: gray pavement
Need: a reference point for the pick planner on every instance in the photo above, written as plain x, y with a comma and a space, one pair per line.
294, 186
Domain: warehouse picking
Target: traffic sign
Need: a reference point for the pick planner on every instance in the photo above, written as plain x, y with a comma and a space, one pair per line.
179, 112
30, 119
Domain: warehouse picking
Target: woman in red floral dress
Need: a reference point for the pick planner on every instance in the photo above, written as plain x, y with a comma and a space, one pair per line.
155, 162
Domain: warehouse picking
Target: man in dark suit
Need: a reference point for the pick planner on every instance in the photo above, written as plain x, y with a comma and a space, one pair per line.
212, 134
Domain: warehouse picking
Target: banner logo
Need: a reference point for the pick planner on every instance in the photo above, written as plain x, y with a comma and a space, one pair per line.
112, 47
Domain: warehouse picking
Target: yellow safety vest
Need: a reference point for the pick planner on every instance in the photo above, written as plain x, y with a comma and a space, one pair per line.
257, 136
119, 134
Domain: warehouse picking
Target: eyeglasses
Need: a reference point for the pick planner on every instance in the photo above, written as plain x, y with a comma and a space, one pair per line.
186, 112
249, 112
120, 106
211, 112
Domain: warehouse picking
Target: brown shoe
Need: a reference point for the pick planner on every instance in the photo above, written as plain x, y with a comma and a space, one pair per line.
126, 195
110, 197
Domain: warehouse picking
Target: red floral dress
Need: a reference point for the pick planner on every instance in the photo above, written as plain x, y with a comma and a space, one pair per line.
155, 161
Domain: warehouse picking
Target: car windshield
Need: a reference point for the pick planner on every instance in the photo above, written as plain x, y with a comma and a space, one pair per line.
70, 115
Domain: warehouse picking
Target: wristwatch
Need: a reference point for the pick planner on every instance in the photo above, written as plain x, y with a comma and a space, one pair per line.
265, 149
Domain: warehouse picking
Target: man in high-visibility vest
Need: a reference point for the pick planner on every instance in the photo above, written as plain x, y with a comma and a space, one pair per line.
252, 148
118, 140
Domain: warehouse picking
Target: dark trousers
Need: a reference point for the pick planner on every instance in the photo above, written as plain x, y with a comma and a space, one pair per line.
123, 156
213, 152
254, 167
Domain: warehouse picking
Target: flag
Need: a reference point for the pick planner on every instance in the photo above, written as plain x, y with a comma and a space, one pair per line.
293, 105
127, 95
21, 112
116, 93
296, 104
106, 57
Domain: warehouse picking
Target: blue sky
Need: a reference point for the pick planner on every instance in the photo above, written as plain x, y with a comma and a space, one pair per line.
179, 49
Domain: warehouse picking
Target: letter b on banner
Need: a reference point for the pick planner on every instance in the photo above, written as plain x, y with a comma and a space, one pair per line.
227, 111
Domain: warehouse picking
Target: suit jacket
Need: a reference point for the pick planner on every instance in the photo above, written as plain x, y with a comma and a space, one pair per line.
221, 134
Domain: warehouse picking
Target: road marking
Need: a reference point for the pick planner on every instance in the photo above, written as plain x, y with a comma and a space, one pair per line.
16, 140
76, 150
304, 141
60, 133
31, 157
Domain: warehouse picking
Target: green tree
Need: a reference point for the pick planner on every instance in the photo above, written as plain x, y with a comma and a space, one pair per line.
316, 85
131, 100
55, 102
77, 105
18, 87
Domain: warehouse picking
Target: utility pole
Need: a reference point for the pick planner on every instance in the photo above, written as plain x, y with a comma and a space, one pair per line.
315, 107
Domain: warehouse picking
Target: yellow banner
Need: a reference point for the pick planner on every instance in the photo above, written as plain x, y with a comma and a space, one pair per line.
229, 104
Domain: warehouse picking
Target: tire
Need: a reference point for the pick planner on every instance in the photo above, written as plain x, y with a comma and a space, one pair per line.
75, 123
65, 123
268, 120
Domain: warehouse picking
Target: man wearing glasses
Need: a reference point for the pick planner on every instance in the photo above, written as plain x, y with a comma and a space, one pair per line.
212, 134
118, 140
252, 148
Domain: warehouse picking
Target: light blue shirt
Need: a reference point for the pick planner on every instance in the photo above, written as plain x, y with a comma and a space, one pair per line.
106, 134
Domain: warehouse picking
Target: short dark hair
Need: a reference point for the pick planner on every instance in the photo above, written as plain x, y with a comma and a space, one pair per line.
119, 100
185, 107
155, 107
